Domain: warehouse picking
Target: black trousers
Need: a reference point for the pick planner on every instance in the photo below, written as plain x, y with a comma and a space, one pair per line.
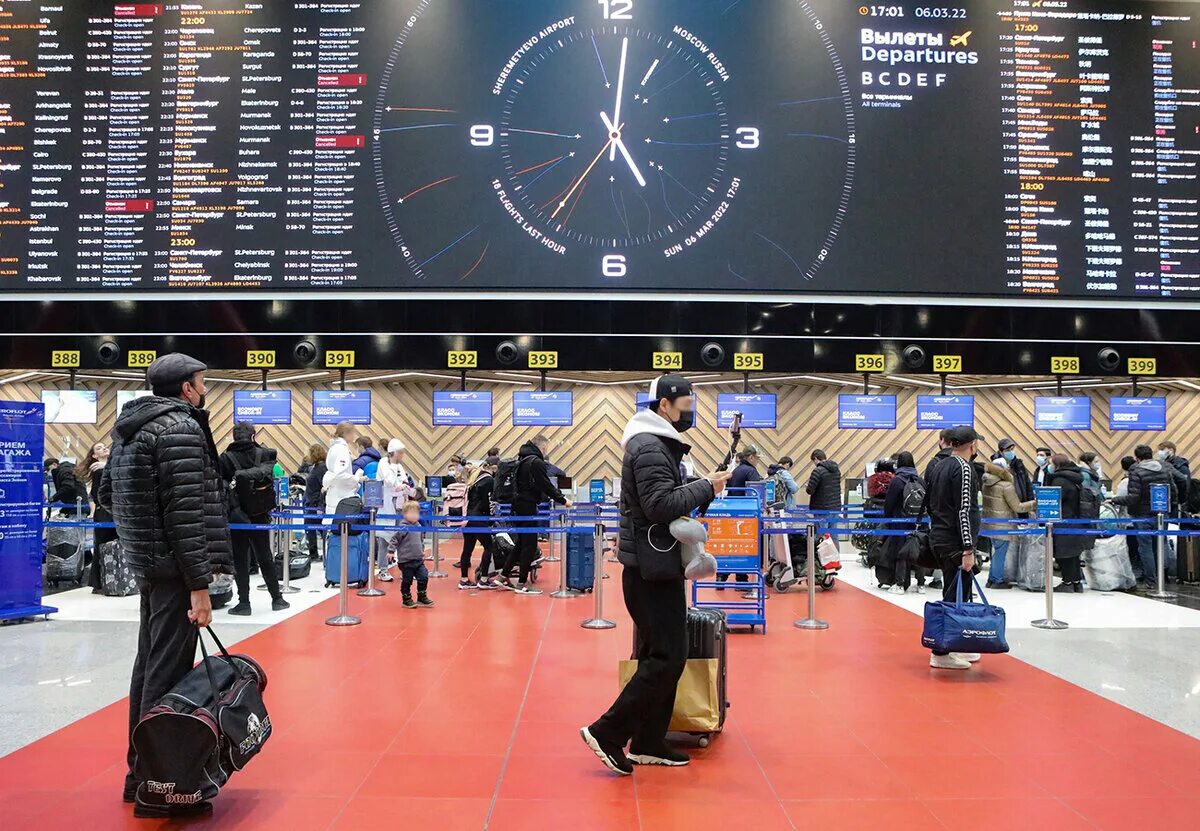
257, 543
951, 568
525, 548
1072, 570
642, 711
166, 652
469, 539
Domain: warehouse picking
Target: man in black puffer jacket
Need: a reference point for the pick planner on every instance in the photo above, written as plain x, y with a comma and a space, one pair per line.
167, 500
824, 486
652, 496
247, 467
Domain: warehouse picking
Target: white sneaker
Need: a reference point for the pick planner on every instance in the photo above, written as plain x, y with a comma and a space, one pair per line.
385, 577
969, 657
948, 662
920, 588
896, 590
884, 586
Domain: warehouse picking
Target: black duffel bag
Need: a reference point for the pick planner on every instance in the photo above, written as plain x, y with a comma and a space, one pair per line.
917, 549
211, 724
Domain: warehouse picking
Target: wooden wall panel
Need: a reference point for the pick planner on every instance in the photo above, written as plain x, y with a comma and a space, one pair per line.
591, 448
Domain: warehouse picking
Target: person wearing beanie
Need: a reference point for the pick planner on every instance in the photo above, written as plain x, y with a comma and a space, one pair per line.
652, 496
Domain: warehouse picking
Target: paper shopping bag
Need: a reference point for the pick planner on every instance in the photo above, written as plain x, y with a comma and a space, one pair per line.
697, 706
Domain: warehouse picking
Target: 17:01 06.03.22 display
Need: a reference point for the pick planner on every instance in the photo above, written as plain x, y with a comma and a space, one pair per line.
613, 143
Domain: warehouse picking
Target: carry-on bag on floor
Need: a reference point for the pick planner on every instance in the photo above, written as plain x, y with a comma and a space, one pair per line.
581, 561
1027, 568
210, 725
300, 565
1107, 566
116, 577
220, 590
1187, 561
64, 556
357, 565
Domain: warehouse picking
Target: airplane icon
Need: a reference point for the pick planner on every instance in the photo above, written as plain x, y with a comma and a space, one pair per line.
961, 40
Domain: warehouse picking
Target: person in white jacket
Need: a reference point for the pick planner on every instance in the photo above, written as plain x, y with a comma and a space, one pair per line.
398, 488
341, 480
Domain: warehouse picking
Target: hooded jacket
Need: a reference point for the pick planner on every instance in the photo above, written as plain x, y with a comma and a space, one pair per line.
1022, 484
824, 487
162, 488
368, 462
1181, 474
1141, 477
243, 455
743, 474
398, 487
479, 499
68, 489
653, 495
1000, 499
533, 482
1069, 478
339, 481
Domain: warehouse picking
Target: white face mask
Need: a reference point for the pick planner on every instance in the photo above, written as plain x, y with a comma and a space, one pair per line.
1041, 460
1163, 455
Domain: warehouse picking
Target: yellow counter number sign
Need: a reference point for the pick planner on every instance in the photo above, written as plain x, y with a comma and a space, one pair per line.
748, 362
260, 359
64, 359
667, 360
1143, 366
141, 358
543, 360
1064, 366
947, 364
462, 359
869, 363
339, 359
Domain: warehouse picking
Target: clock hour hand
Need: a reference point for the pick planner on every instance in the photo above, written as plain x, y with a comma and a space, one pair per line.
615, 135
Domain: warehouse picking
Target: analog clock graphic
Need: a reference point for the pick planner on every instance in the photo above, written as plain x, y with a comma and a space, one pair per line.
612, 144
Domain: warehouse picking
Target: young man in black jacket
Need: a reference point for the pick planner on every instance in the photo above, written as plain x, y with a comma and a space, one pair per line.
653, 495
1144, 475
533, 487
952, 496
247, 459
167, 500
824, 486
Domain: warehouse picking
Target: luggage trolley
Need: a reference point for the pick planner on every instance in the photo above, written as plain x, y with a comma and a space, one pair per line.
734, 538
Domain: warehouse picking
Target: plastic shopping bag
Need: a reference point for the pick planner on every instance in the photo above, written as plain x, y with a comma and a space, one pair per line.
1107, 566
1031, 563
828, 555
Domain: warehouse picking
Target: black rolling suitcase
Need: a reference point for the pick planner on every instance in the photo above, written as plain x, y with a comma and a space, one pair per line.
1187, 562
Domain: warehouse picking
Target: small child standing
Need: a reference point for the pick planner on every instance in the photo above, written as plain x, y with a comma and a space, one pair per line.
410, 557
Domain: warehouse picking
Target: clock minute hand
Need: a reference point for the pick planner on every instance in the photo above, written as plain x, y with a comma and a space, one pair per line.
612, 153
620, 145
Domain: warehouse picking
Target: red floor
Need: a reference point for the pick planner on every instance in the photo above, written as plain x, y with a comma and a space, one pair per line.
466, 717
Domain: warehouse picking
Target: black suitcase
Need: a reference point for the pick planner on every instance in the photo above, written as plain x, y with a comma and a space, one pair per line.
708, 637
1187, 561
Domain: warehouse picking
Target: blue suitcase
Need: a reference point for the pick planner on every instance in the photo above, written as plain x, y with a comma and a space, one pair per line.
581, 561
359, 562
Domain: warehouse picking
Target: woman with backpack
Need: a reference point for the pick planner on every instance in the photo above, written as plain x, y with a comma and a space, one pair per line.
1068, 548
904, 498
479, 504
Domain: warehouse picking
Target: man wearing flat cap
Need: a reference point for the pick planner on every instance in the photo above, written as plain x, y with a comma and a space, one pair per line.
167, 500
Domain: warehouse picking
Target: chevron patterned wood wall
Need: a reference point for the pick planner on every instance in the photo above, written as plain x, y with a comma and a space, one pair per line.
807, 418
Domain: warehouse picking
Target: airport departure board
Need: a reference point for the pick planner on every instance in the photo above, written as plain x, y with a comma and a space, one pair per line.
224, 147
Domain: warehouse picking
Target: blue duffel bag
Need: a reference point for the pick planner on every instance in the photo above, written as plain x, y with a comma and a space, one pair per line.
964, 627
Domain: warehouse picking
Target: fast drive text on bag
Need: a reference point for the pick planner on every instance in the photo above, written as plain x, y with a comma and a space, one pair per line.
211, 724
964, 627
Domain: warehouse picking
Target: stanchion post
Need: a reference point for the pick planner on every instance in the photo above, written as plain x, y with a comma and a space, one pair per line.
597, 621
812, 622
437, 560
562, 590
343, 617
283, 542
372, 590
561, 520
1048, 622
1160, 556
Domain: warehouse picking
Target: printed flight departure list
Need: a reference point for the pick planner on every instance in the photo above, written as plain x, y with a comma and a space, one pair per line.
225, 147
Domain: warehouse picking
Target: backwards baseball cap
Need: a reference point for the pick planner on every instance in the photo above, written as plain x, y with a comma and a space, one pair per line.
962, 435
1005, 444
669, 387
395, 446
173, 368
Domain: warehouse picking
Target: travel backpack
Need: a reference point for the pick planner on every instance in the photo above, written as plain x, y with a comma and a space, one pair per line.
255, 488
455, 500
1089, 498
505, 489
914, 497
781, 491
1193, 496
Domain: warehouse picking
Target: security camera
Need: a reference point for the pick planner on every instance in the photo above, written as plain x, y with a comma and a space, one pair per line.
713, 354
108, 353
1108, 358
507, 353
305, 352
914, 356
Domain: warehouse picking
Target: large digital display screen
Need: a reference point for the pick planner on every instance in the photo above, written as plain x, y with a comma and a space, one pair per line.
758, 410
70, 406
262, 406
936, 412
543, 409
220, 147
1137, 414
1062, 413
866, 412
462, 409
334, 406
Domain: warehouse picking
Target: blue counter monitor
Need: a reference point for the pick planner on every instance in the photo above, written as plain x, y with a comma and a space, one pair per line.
335, 406
866, 412
1062, 413
1137, 414
70, 406
462, 409
757, 410
543, 409
936, 412
262, 406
